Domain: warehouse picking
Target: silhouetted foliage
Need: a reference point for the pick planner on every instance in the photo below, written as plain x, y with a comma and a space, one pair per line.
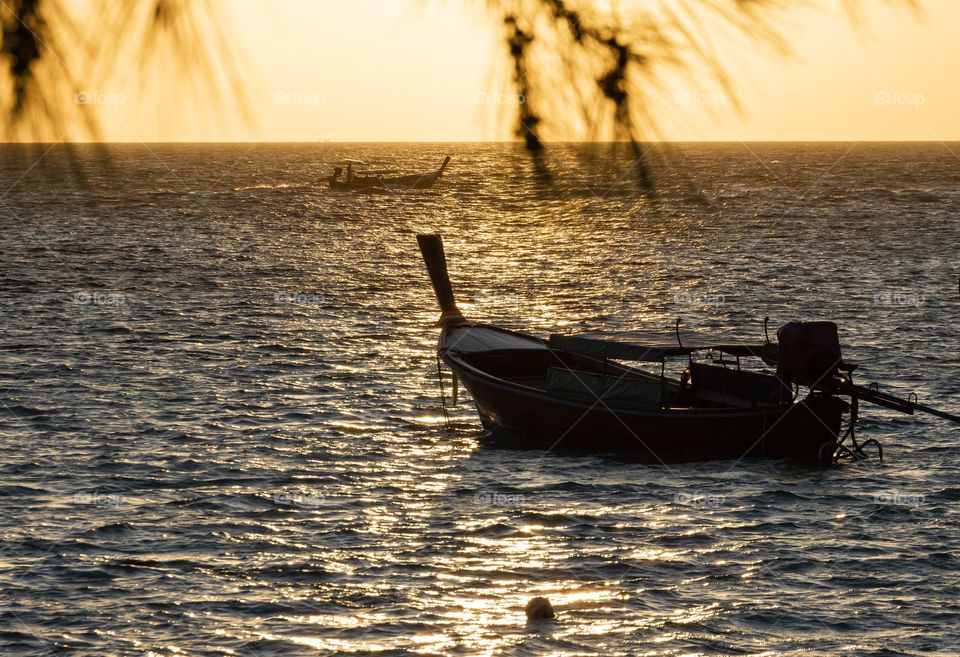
610, 60
52, 54
607, 59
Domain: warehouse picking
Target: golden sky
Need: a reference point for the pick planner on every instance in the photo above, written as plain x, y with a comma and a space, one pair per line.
399, 70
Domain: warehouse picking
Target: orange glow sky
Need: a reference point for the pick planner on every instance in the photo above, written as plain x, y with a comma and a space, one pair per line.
416, 73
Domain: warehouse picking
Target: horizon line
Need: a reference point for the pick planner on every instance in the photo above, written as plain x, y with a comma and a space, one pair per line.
512, 142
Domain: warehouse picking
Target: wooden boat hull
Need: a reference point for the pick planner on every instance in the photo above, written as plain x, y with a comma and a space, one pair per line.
413, 181
520, 417
356, 184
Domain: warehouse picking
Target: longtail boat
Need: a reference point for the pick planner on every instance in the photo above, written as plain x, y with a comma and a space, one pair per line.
382, 178
588, 392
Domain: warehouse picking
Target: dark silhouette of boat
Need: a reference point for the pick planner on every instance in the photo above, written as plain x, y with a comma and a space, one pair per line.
574, 393
383, 179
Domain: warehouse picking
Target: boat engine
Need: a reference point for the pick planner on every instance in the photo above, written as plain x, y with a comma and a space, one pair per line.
809, 353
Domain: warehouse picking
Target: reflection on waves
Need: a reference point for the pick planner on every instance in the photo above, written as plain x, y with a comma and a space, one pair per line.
220, 410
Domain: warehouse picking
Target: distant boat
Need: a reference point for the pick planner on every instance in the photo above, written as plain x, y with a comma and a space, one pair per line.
573, 392
383, 178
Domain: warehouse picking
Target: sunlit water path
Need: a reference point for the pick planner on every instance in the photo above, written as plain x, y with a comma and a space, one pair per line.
221, 431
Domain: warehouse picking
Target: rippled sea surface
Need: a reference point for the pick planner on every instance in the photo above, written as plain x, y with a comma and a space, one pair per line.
222, 433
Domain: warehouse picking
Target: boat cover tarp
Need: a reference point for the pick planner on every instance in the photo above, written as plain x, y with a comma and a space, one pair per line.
755, 386
643, 347
612, 390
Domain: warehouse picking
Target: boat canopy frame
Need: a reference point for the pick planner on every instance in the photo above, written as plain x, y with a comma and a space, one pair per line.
644, 347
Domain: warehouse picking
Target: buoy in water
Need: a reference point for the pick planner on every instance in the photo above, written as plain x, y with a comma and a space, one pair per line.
539, 609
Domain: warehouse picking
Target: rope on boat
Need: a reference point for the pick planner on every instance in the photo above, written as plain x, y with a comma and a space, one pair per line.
443, 394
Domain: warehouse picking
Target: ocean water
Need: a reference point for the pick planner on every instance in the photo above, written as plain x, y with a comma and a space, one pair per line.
222, 432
